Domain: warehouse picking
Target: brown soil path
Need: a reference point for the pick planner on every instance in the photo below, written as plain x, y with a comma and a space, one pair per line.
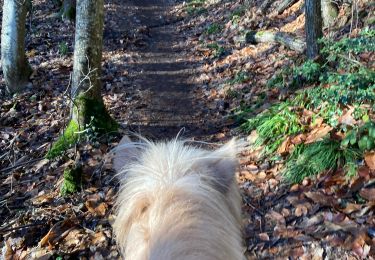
162, 74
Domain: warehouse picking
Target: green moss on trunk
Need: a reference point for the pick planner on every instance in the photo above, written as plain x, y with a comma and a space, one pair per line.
92, 112
72, 181
87, 113
67, 140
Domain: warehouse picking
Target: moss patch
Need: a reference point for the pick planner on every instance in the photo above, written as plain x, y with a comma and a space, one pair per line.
72, 181
92, 112
88, 113
67, 140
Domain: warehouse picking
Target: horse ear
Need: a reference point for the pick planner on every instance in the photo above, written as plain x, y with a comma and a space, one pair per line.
125, 153
222, 165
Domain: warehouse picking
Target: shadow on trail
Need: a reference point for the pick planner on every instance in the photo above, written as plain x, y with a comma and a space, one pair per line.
160, 71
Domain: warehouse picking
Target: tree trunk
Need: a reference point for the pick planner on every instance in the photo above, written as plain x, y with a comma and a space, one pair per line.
68, 10
88, 110
86, 83
313, 27
286, 39
16, 68
329, 12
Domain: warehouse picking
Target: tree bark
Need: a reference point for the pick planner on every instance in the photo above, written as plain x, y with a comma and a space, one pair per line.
313, 27
286, 39
86, 84
16, 68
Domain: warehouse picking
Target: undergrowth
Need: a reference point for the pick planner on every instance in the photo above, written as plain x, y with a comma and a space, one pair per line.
218, 51
327, 90
213, 28
273, 126
195, 7
318, 157
236, 15
240, 77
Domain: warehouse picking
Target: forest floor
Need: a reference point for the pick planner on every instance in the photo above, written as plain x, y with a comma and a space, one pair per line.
163, 74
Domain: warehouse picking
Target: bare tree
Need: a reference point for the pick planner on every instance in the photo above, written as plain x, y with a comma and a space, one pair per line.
16, 68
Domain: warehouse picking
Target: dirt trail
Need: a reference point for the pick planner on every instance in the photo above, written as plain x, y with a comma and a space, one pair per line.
162, 74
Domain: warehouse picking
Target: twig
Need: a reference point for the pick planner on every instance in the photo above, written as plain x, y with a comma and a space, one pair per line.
4, 230
4, 155
21, 164
253, 207
351, 60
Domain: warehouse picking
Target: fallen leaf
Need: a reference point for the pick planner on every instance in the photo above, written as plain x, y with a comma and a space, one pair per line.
288, 232
318, 254
368, 194
40, 165
370, 159
318, 133
264, 236
43, 199
364, 171
356, 184
314, 220
248, 175
351, 207
335, 240
295, 187
295, 253
321, 198
7, 250
57, 232
284, 147
347, 118
359, 244
96, 208
301, 210
252, 168
74, 239
276, 217
318, 122
298, 139
285, 212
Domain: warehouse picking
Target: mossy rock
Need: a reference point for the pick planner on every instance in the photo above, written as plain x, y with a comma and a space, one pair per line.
72, 181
